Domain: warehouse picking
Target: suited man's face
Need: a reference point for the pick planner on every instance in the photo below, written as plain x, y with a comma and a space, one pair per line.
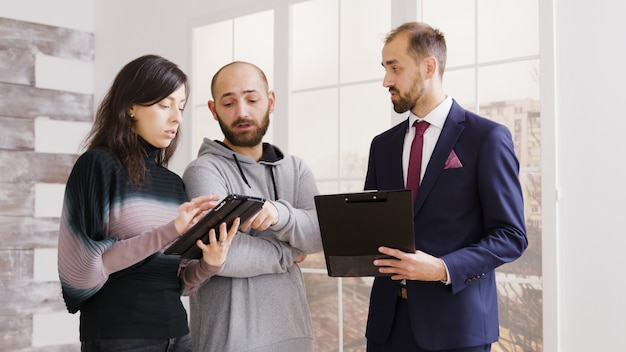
403, 75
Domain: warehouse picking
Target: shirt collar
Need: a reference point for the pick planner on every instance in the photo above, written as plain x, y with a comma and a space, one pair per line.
437, 116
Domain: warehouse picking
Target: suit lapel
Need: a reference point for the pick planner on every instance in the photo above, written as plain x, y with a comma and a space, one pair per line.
392, 161
450, 133
397, 145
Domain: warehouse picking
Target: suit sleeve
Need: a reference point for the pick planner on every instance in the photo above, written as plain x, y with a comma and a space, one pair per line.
499, 191
370, 175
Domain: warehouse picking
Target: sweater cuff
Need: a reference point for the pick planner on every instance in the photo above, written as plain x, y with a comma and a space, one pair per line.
207, 270
197, 271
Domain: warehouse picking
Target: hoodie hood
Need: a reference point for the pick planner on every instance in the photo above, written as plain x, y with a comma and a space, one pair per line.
248, 168
271, 153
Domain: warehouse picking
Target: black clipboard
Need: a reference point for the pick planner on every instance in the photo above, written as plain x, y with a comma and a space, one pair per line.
354, 225
227, 210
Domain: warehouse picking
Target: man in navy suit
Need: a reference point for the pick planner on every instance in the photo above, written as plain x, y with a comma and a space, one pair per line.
468, 211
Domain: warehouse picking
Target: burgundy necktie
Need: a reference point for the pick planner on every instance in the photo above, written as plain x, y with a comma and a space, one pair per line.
415, 160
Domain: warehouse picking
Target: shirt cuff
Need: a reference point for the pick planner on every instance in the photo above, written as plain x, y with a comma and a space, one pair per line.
447, 282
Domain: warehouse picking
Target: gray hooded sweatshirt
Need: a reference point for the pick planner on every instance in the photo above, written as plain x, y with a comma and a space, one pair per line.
258, 301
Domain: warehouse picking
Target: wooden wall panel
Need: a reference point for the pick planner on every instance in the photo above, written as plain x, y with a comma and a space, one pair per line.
38, 38
16, 266
17, 134
26, 232
42, 297
17, 67
21, 168
16, 332
32, 167
16, 328
26, 101
17, 199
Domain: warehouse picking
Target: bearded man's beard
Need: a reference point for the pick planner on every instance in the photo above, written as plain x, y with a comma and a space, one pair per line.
247, 138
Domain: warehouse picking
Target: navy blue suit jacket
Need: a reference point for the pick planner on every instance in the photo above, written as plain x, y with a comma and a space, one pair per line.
470, 216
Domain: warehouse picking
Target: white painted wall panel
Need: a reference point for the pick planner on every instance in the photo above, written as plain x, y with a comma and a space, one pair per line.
63, 137
48, 199
63, 74
55, 329
45, 265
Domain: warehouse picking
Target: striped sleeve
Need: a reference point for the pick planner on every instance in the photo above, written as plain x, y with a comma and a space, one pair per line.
82, 230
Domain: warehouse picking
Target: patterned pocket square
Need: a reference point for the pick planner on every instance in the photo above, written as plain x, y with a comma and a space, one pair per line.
453, 161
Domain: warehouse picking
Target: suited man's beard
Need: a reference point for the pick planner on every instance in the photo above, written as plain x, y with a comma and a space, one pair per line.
249, 138
408, 101
402, 105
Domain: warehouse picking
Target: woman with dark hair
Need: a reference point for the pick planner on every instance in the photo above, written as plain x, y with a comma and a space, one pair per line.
122, 208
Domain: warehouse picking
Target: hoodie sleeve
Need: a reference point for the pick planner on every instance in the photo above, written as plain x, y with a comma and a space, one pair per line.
248, 255
258, 255
297, 223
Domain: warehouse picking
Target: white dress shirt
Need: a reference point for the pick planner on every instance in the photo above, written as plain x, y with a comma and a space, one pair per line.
436, 118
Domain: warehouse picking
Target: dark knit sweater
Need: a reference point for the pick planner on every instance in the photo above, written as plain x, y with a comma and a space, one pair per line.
111, 237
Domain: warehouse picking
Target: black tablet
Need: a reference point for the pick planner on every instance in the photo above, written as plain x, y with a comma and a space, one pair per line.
227, 210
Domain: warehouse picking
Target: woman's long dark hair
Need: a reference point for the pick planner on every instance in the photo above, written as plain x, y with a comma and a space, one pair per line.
143, 81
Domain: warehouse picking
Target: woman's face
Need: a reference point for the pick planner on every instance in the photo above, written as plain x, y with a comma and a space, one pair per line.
159, 122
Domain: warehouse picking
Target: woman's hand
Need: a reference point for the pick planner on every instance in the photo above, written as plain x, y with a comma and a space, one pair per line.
214, 253
190, 212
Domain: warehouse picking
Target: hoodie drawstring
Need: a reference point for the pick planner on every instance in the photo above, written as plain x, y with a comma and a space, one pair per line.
243, 176
241, 171
274, 184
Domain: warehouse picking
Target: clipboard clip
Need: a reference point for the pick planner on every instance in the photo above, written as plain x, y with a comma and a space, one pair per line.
365, 197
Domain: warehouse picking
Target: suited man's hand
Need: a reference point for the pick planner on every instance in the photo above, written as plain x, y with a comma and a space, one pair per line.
411, 266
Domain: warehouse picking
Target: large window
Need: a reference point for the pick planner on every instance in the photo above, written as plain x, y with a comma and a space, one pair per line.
330, 103
246, 38
493, 69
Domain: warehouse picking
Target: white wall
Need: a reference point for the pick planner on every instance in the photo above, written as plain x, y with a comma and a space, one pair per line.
74, 14
590, 76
